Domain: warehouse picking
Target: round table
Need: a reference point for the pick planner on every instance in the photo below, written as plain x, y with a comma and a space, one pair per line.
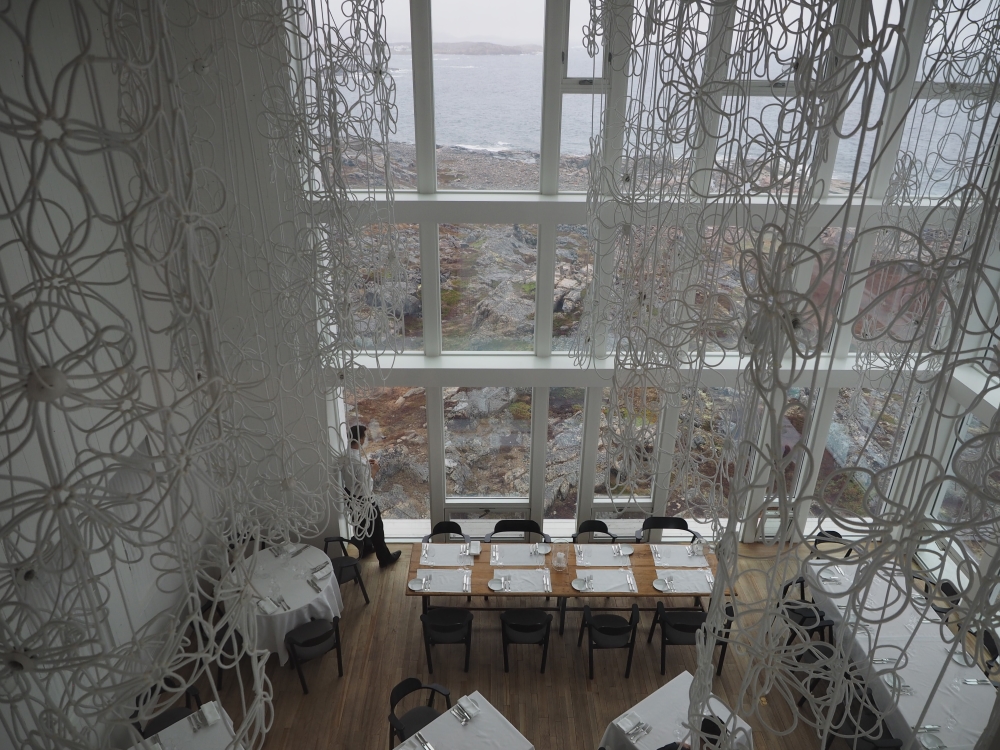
288, 577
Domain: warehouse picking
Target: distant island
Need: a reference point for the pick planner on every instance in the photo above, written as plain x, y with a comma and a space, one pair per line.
477, 48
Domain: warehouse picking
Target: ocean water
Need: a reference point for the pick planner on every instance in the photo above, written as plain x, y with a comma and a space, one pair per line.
493, 103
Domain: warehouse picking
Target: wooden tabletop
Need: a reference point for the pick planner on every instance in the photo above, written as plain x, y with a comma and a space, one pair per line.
643, 569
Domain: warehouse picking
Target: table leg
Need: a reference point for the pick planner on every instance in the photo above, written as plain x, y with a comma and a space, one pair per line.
562, 614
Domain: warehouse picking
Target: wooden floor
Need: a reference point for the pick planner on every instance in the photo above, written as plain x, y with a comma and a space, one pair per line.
560, 710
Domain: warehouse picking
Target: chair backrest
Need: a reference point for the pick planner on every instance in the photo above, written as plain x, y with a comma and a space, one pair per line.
615, 628
593, 526
800, 582
448, 528
662, 522
950, 592
831, 538
990, 643
543, 619
446, 620
309, 641
525, 525
403, 689
712, 731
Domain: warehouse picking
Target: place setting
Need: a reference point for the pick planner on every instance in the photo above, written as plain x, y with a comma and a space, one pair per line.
518, 554
449, 555
671, 581
679, 556
446, 581
520, 580
603, 555
605, 581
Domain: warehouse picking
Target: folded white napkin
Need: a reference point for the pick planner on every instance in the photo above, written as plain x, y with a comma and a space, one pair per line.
267, 606
211, 713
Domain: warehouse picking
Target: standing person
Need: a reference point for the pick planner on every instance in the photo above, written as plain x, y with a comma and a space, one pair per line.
357, 475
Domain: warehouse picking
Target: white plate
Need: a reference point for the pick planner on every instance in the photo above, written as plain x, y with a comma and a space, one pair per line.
930, 740
495, 584
660, 585
580, 584
417, 584
544, 549
627, 549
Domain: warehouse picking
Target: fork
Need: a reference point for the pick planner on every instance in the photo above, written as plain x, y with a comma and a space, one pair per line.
656, 551
579, 553
590, 582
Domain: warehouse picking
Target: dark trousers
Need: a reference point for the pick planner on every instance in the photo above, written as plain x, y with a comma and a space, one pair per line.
376, 542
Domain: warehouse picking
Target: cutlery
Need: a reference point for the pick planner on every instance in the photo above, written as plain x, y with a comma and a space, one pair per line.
929, 728
631, 582
656, 551
690, 550
423, 743
507, 583
274, 551
977, 682
884, 661
590, 582
840, 570
579, 553
314, 585
427, 583
468, 582
548, 581
460, 714
710, 578
494, 554
284, 603
640, 729
300, 550
423, 550
320, 567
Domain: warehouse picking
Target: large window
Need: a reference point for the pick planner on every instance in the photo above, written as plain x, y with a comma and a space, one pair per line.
488, 441
502, 257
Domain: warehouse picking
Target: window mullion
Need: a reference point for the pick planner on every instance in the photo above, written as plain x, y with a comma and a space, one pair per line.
422, 52
430, 288
436, 478
666, 444
539, 443
545, 283
588, 454
556, 29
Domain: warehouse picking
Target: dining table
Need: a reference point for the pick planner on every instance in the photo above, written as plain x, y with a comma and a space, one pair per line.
291, 585
486, 729
659, 718
588, 571
920, 675
208, 728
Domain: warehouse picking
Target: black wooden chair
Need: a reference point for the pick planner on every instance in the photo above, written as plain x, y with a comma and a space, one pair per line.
405, 726
664, 522
831, 543
804, 613
345, 567
170, 716
525, 626
311, 640
443, 625
519, 525
593, 527
609, 631
447, 528
679, 627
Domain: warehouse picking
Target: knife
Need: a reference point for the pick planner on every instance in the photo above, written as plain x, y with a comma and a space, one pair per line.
300, 550
423, 743
977, 682
929, 728
656, 551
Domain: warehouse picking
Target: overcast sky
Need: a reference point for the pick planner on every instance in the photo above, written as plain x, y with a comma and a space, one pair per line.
499, 21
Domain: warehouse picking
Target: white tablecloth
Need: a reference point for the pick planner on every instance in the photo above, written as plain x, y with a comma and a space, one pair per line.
449, 581
600, 555
287, 577
181, 736
675, 556
666, 710
515, 554
608, 581
489, 730
688, 581
524, 580
444, 555
916, 638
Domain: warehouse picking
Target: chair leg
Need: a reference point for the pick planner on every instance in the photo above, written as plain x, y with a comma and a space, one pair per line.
579, 640
652, 627
427, 648
663, 656
340, 662
628, 664
468, 648
361, 583
722, 657
302, 677
506, 664
392, 737
545, 650
591, 644
218, 677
